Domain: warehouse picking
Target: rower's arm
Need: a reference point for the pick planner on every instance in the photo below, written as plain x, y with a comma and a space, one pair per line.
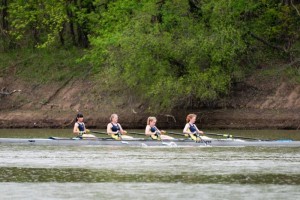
186, 129
85, 130
148, 131
108, 130
157, 130
122, 130
75, 129
198, 131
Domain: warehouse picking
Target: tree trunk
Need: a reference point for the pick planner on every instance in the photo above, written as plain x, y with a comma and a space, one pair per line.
4, 22
36, 38
71, 22
82, 38
61, 35
285, 2
4, 25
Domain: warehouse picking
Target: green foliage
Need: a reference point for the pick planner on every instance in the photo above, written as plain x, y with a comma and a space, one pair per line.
40, 21
166, 54
178, 52
292, 73
170, 53
43, 65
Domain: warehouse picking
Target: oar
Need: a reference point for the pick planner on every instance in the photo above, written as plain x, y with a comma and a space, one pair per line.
143, 134
238, 137
98, 132
135, 133
86, 134
180, 134
231, 136
197, 139
217, 134
223, 135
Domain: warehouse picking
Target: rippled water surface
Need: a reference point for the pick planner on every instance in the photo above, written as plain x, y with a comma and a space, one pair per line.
93, 172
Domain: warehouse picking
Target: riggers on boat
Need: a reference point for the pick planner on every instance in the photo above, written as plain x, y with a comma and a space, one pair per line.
141, 142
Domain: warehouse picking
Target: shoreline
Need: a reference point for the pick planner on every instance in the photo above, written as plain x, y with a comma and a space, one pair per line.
253, 104
255, 119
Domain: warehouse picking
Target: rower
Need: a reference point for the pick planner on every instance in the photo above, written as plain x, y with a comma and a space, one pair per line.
114, 129
191, 129
152, 131
79, 128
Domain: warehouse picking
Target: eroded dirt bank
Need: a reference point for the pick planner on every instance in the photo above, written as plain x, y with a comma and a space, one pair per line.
255, 103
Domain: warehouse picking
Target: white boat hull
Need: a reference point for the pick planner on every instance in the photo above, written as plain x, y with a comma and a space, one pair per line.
147, 142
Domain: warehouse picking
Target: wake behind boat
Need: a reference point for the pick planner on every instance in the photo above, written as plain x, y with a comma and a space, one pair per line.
141, 142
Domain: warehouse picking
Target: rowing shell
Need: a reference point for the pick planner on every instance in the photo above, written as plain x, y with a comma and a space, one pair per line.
139, 142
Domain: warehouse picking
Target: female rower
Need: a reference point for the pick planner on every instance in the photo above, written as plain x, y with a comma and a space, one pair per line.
191, 128
152, 131
79, 128
114, 129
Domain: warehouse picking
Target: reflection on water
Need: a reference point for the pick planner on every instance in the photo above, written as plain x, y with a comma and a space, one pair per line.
93, 176
127, 164
146, 191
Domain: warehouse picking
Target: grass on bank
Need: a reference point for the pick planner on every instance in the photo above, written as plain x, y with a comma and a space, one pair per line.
43, 65
57, 64
290, 74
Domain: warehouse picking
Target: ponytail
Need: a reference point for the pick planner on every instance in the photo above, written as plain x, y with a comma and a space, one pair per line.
112, 116
189, 117
79, 115
150, 119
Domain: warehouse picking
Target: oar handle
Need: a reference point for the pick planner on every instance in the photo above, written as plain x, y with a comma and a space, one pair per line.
136, 133
179, 134
104, 133
232, 136
98, 132
217, 134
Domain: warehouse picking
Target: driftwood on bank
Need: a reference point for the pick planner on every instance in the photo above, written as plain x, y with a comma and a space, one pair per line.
5, 92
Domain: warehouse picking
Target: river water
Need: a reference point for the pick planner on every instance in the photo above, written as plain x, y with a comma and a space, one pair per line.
93, 172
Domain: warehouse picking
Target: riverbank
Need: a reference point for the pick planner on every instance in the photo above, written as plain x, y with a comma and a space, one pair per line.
265, 99
53, 106
209, 119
